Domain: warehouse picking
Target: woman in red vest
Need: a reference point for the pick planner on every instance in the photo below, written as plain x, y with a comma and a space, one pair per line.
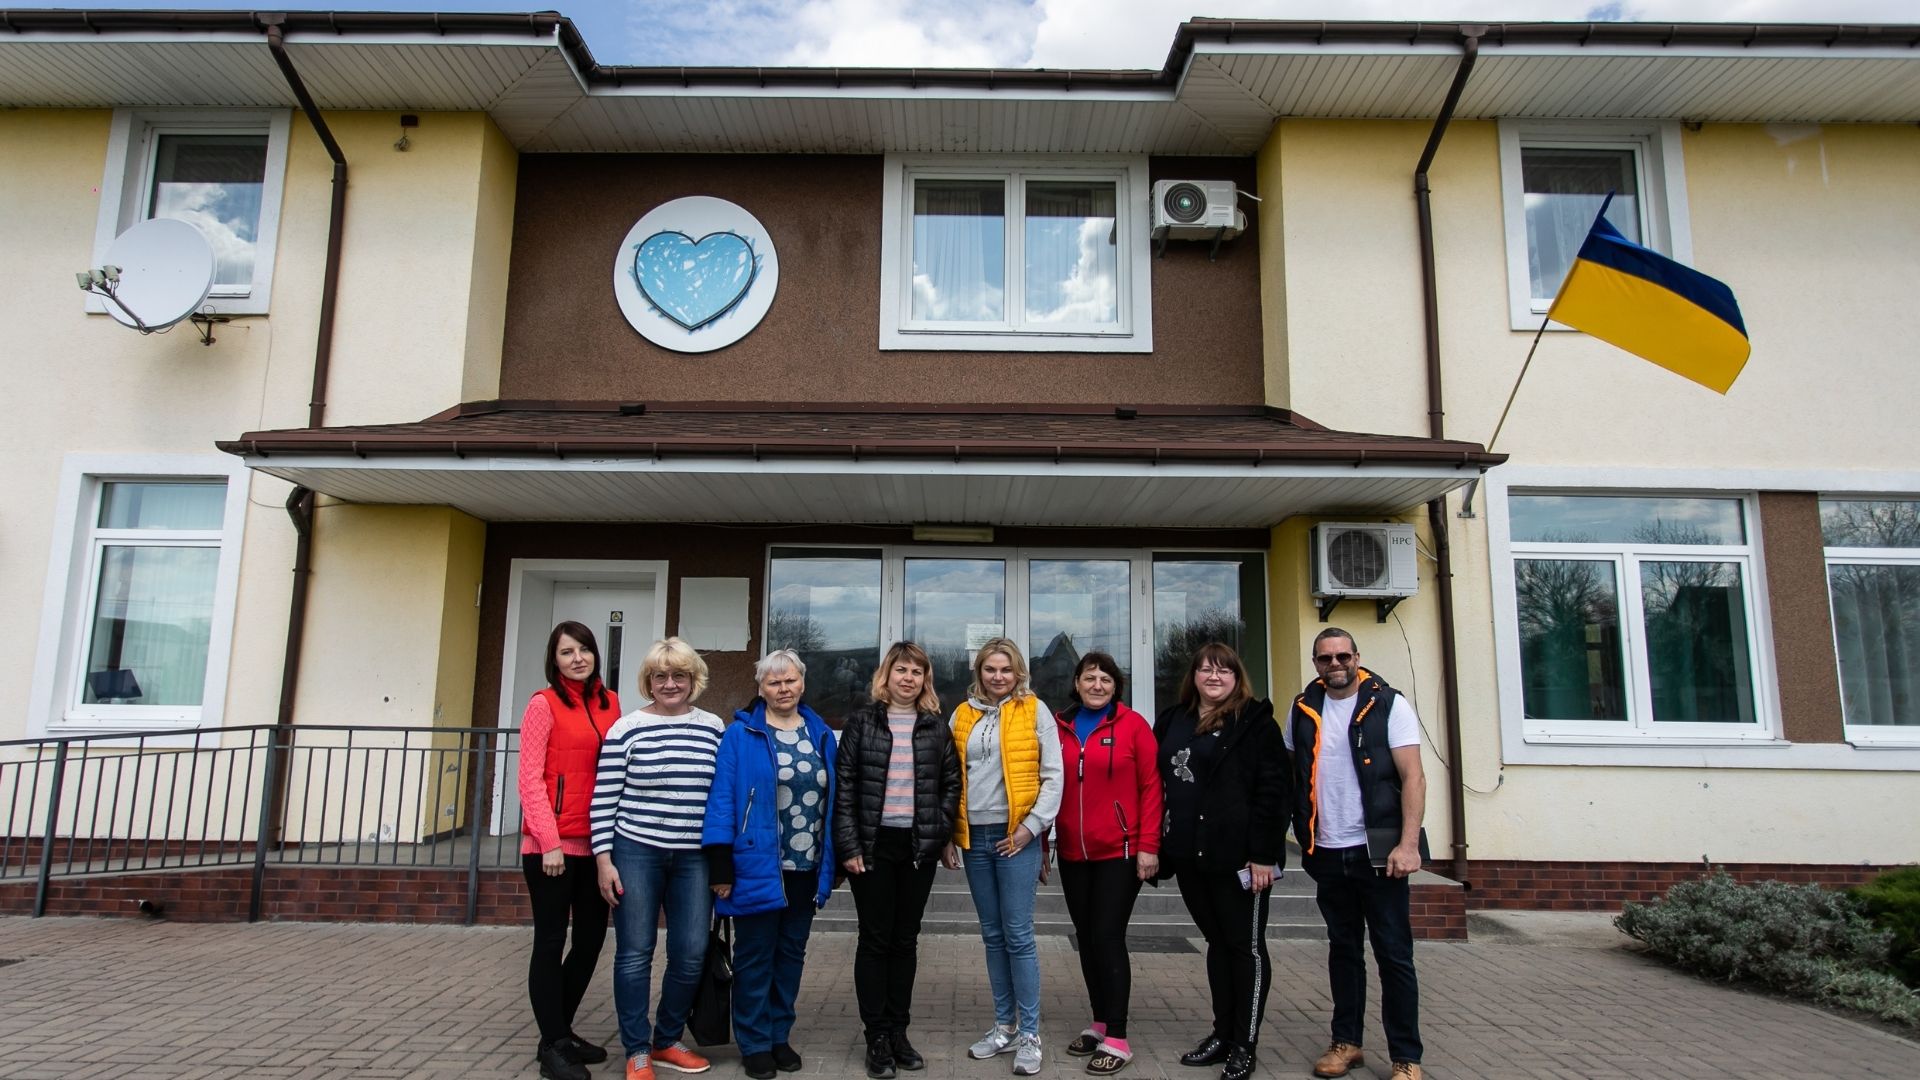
559, 751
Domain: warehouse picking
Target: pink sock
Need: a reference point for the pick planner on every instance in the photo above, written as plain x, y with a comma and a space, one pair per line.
1098, 1028
1117, 1046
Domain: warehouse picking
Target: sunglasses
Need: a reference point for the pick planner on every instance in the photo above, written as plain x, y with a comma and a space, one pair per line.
1334, 658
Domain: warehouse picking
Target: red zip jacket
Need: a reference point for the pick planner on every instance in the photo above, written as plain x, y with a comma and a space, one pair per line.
559, 754
1111, 807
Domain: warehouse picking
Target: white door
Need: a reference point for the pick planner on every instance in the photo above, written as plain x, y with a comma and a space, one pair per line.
619, 603
621, 618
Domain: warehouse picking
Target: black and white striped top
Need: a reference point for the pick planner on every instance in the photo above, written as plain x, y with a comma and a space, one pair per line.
653, 779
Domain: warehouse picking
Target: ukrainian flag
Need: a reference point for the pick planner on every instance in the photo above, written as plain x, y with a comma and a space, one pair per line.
1654, 308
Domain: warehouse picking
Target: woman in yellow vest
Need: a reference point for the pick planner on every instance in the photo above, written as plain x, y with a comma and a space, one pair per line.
1011, 779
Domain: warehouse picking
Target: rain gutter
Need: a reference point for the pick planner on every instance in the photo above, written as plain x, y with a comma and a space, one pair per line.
1469, 41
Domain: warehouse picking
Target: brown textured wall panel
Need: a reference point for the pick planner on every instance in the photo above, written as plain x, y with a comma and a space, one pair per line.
1802, 619
721, 551
566, 338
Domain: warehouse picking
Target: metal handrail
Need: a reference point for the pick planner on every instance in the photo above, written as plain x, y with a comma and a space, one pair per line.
271, 796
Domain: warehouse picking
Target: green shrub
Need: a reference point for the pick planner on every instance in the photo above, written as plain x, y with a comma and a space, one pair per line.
1802, 940
1892, 901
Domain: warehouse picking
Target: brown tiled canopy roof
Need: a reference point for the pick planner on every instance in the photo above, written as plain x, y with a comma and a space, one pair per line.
1058, 432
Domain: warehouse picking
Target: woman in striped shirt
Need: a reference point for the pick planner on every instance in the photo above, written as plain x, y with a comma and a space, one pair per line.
649, 801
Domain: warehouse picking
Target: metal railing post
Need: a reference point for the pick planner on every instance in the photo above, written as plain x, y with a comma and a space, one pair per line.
53, 822
475, 829
261, 839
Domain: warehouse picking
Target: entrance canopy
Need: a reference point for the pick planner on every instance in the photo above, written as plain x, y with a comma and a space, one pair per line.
1186, 466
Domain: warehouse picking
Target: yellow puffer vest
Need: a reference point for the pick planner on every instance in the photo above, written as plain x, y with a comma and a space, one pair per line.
1019, 759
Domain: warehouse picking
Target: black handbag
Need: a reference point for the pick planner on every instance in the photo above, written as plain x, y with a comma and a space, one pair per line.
711, 1022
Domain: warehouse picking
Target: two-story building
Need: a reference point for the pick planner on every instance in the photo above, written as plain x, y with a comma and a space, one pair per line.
827, 358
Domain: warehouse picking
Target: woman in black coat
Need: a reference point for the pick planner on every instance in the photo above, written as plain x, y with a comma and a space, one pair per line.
896, 796
1224, 767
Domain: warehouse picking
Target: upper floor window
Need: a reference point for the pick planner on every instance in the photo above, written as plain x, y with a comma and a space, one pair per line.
1015, 255
1873, 582
221, 171
1636, 616
1554, 179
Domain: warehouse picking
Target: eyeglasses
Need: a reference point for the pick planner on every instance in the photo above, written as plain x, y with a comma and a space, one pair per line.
1324, 659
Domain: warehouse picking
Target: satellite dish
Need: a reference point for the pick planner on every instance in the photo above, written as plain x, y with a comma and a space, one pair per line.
166, 272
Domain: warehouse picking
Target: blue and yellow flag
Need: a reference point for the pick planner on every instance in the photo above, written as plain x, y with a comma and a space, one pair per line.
1654, 308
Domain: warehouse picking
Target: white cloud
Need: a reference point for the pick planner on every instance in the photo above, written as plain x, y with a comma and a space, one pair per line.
1079, 33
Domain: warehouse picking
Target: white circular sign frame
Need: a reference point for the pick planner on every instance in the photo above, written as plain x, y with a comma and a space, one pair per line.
707, 315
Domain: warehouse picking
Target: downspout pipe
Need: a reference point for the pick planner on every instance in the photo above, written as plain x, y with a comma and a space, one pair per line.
300, 501
1437, 428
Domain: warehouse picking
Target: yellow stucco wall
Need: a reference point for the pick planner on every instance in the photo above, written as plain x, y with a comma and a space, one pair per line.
419, 327
1815, 229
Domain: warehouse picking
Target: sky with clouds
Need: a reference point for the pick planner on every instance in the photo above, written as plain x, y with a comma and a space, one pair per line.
1019, 33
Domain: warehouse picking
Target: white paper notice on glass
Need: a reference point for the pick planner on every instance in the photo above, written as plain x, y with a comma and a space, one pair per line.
979, 634
713, 613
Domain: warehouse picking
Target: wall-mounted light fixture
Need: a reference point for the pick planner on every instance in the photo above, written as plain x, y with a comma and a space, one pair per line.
953, 534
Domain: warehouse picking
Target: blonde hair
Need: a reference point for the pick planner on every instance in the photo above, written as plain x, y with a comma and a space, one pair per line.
672, 654
1005, 646
929, 700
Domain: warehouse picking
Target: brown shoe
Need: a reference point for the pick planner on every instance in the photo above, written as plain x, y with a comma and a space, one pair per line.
1405, 1070
1339, 1060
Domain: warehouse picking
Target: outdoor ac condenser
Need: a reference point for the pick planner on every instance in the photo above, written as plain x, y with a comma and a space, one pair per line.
1370, 560
1196, 210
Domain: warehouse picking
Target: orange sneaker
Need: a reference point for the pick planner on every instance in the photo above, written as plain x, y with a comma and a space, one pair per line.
640, 1067
680, 1059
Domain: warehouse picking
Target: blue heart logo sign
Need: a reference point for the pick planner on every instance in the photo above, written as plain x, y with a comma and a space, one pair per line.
696, 274
694, 282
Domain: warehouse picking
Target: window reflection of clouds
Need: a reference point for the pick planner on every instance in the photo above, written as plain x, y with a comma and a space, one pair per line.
1625, 519
840, 597
227, 214
1088, 291
1086, 599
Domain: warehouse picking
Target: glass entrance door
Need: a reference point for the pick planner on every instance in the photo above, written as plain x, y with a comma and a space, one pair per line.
1074, 607
952, 606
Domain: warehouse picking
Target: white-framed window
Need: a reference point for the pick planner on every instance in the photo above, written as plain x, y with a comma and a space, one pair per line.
1636, 617
1554, 176
1015, 254
840, 607
137, 621
221, 170
1873, 583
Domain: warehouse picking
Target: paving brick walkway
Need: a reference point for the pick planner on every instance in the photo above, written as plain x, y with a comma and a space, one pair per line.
123, 999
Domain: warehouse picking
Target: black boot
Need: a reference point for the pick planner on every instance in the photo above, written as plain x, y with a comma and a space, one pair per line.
580, 1049
786, 1058
880, 1057
556, 1065
1239, 1064
904, 1055
1212, 1051
759, 1066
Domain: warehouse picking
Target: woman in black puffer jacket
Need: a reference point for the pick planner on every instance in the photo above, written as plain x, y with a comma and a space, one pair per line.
896, 794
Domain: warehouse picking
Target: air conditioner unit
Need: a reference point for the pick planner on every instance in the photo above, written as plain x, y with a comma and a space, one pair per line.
1364, 560
1196, 210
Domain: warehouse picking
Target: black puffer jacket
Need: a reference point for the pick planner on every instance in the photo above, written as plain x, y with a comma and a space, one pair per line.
860, 783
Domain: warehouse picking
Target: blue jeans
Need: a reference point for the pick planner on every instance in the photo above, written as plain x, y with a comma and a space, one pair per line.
769, 953
654, 878
1359, 903
1003, 890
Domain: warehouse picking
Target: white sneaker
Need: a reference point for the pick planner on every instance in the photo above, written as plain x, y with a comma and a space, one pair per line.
1027, 1057
997, 1040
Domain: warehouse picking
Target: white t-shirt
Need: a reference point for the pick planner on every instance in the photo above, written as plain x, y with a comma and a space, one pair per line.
1341, 821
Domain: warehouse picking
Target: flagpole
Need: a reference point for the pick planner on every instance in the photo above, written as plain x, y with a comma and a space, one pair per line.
1537, 334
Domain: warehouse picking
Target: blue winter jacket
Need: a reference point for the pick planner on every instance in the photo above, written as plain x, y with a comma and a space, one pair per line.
741, 836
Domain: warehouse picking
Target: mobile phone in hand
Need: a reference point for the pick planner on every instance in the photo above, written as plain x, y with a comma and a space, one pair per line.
1246, 878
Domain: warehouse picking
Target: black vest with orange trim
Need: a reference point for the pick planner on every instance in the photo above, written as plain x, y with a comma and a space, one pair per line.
1366, 739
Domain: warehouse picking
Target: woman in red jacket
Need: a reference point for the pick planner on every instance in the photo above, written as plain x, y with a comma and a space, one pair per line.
1109, 842
559, 751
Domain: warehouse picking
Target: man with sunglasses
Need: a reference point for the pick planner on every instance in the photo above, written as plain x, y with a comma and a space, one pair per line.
1356, 744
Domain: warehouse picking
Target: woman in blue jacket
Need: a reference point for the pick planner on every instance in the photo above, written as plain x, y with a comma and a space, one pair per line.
769, 846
